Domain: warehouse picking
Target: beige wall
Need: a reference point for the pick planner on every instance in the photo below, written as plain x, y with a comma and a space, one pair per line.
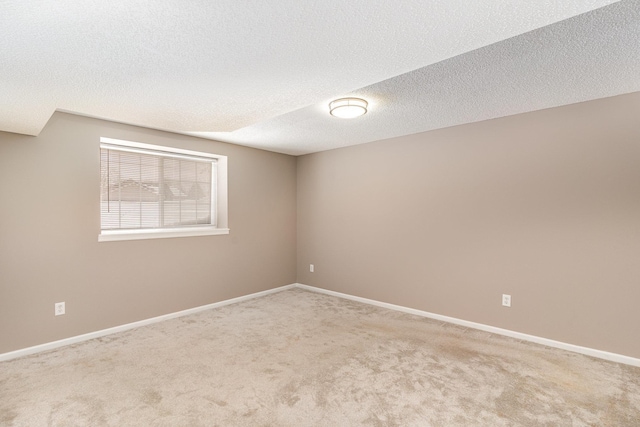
49, 225
543, 206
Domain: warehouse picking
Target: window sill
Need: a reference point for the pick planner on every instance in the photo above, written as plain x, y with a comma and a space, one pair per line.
110, 236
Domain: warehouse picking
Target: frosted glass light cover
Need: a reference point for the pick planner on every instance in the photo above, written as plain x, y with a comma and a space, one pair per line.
348, 108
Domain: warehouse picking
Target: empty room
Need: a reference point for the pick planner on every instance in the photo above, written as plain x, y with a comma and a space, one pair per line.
295, 213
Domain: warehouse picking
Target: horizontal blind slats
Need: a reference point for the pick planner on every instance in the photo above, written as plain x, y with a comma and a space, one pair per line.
158, 153
141, 190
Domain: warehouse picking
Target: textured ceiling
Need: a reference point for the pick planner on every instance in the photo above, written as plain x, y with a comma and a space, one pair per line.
262, 73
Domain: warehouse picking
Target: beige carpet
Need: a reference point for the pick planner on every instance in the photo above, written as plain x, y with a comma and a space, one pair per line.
298, 358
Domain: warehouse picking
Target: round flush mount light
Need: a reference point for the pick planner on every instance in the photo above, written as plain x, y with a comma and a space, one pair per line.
348, 108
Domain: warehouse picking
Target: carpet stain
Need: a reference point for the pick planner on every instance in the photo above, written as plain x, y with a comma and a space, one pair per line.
151, 397
457, 351
7, 416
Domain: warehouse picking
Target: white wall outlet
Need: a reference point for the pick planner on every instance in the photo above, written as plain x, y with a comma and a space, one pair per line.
311, 268
506, 300
59, 308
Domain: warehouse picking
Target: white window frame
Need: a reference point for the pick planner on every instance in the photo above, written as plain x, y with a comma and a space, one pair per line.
219, 193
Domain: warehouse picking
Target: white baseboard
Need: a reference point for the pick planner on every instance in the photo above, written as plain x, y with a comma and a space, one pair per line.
97, 334
614, 357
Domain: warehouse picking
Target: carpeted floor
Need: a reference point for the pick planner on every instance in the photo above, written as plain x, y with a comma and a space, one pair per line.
299, 358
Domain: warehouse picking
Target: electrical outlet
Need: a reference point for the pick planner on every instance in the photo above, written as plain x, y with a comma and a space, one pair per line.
506, 300
311, 268
59, 308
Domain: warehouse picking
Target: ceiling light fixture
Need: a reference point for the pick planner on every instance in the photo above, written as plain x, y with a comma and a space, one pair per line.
348, 108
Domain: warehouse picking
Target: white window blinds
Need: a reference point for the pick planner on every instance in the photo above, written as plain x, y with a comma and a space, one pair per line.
149, 189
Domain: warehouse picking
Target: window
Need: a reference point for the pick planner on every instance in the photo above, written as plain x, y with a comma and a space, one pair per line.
149, 191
